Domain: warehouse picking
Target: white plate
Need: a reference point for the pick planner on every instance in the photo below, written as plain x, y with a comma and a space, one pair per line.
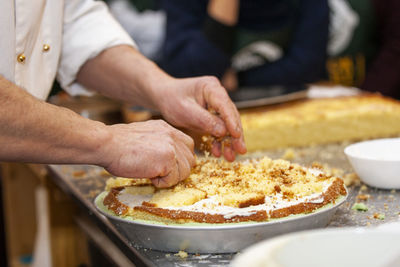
347, 247
377, 162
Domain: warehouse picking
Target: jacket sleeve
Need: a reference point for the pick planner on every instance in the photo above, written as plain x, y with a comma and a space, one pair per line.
88, 29
187, 51
304, 61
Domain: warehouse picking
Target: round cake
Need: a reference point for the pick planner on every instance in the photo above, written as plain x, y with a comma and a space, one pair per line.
218, 192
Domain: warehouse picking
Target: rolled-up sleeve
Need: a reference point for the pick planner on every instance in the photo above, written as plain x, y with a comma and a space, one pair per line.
88, 29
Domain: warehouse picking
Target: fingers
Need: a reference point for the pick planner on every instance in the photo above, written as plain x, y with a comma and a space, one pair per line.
167, 180
217, 98
180, 172
239, 145
229, 149
229, 154
181, 137
216, 149
204, 121
184, 161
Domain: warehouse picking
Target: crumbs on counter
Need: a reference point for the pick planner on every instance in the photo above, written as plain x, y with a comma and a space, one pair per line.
182, 254
359, 206
363, 197
351, 179
363, 188
379, 216
93, 193
289, 154
79, 174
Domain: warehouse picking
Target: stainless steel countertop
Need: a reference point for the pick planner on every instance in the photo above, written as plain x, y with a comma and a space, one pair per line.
85, 182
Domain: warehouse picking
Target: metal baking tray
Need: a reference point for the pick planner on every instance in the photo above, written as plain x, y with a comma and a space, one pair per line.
262, 96
215, 238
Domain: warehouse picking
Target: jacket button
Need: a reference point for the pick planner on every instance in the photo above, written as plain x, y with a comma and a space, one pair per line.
46, 47
21, 58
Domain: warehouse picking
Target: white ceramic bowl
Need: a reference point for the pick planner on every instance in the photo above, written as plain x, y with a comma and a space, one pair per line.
376, 162
345, 247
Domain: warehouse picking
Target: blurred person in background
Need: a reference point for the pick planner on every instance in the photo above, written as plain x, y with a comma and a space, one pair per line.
144, 21
263, 43
247, 43
364, 47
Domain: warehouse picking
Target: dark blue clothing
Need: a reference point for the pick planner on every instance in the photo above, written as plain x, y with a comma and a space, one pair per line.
188, 52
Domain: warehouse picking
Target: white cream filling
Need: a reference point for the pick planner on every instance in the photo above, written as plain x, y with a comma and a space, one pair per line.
212, 206
132, 200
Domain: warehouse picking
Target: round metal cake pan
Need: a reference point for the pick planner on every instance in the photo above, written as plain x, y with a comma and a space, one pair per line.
216, 239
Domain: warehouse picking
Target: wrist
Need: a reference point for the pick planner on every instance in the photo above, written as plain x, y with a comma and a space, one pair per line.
224, 11
160, 91
101, 149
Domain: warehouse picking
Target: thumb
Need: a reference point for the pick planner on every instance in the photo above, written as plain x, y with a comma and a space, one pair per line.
205, 121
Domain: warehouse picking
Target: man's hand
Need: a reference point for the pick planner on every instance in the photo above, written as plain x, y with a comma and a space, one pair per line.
187, 103
151, 149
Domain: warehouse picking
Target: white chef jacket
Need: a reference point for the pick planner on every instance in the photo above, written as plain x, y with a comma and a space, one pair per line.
42, 39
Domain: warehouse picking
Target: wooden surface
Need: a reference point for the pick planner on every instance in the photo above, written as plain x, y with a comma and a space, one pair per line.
19, 211
68, 243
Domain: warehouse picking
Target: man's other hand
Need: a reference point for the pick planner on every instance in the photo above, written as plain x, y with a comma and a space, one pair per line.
187, 103
151, 149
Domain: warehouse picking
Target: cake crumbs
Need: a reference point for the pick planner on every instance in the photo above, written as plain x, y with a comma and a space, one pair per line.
351, 179
359, 206
368, 224
363, 197
182, 254
93, 193
79, 174
379, 216
289, 154
363, 188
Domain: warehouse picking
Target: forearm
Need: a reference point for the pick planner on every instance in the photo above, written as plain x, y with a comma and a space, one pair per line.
124, 74
37, 132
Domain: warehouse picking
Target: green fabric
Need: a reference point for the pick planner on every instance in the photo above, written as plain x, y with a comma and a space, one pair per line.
244, 38
141, 5
350, 66
364, 35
